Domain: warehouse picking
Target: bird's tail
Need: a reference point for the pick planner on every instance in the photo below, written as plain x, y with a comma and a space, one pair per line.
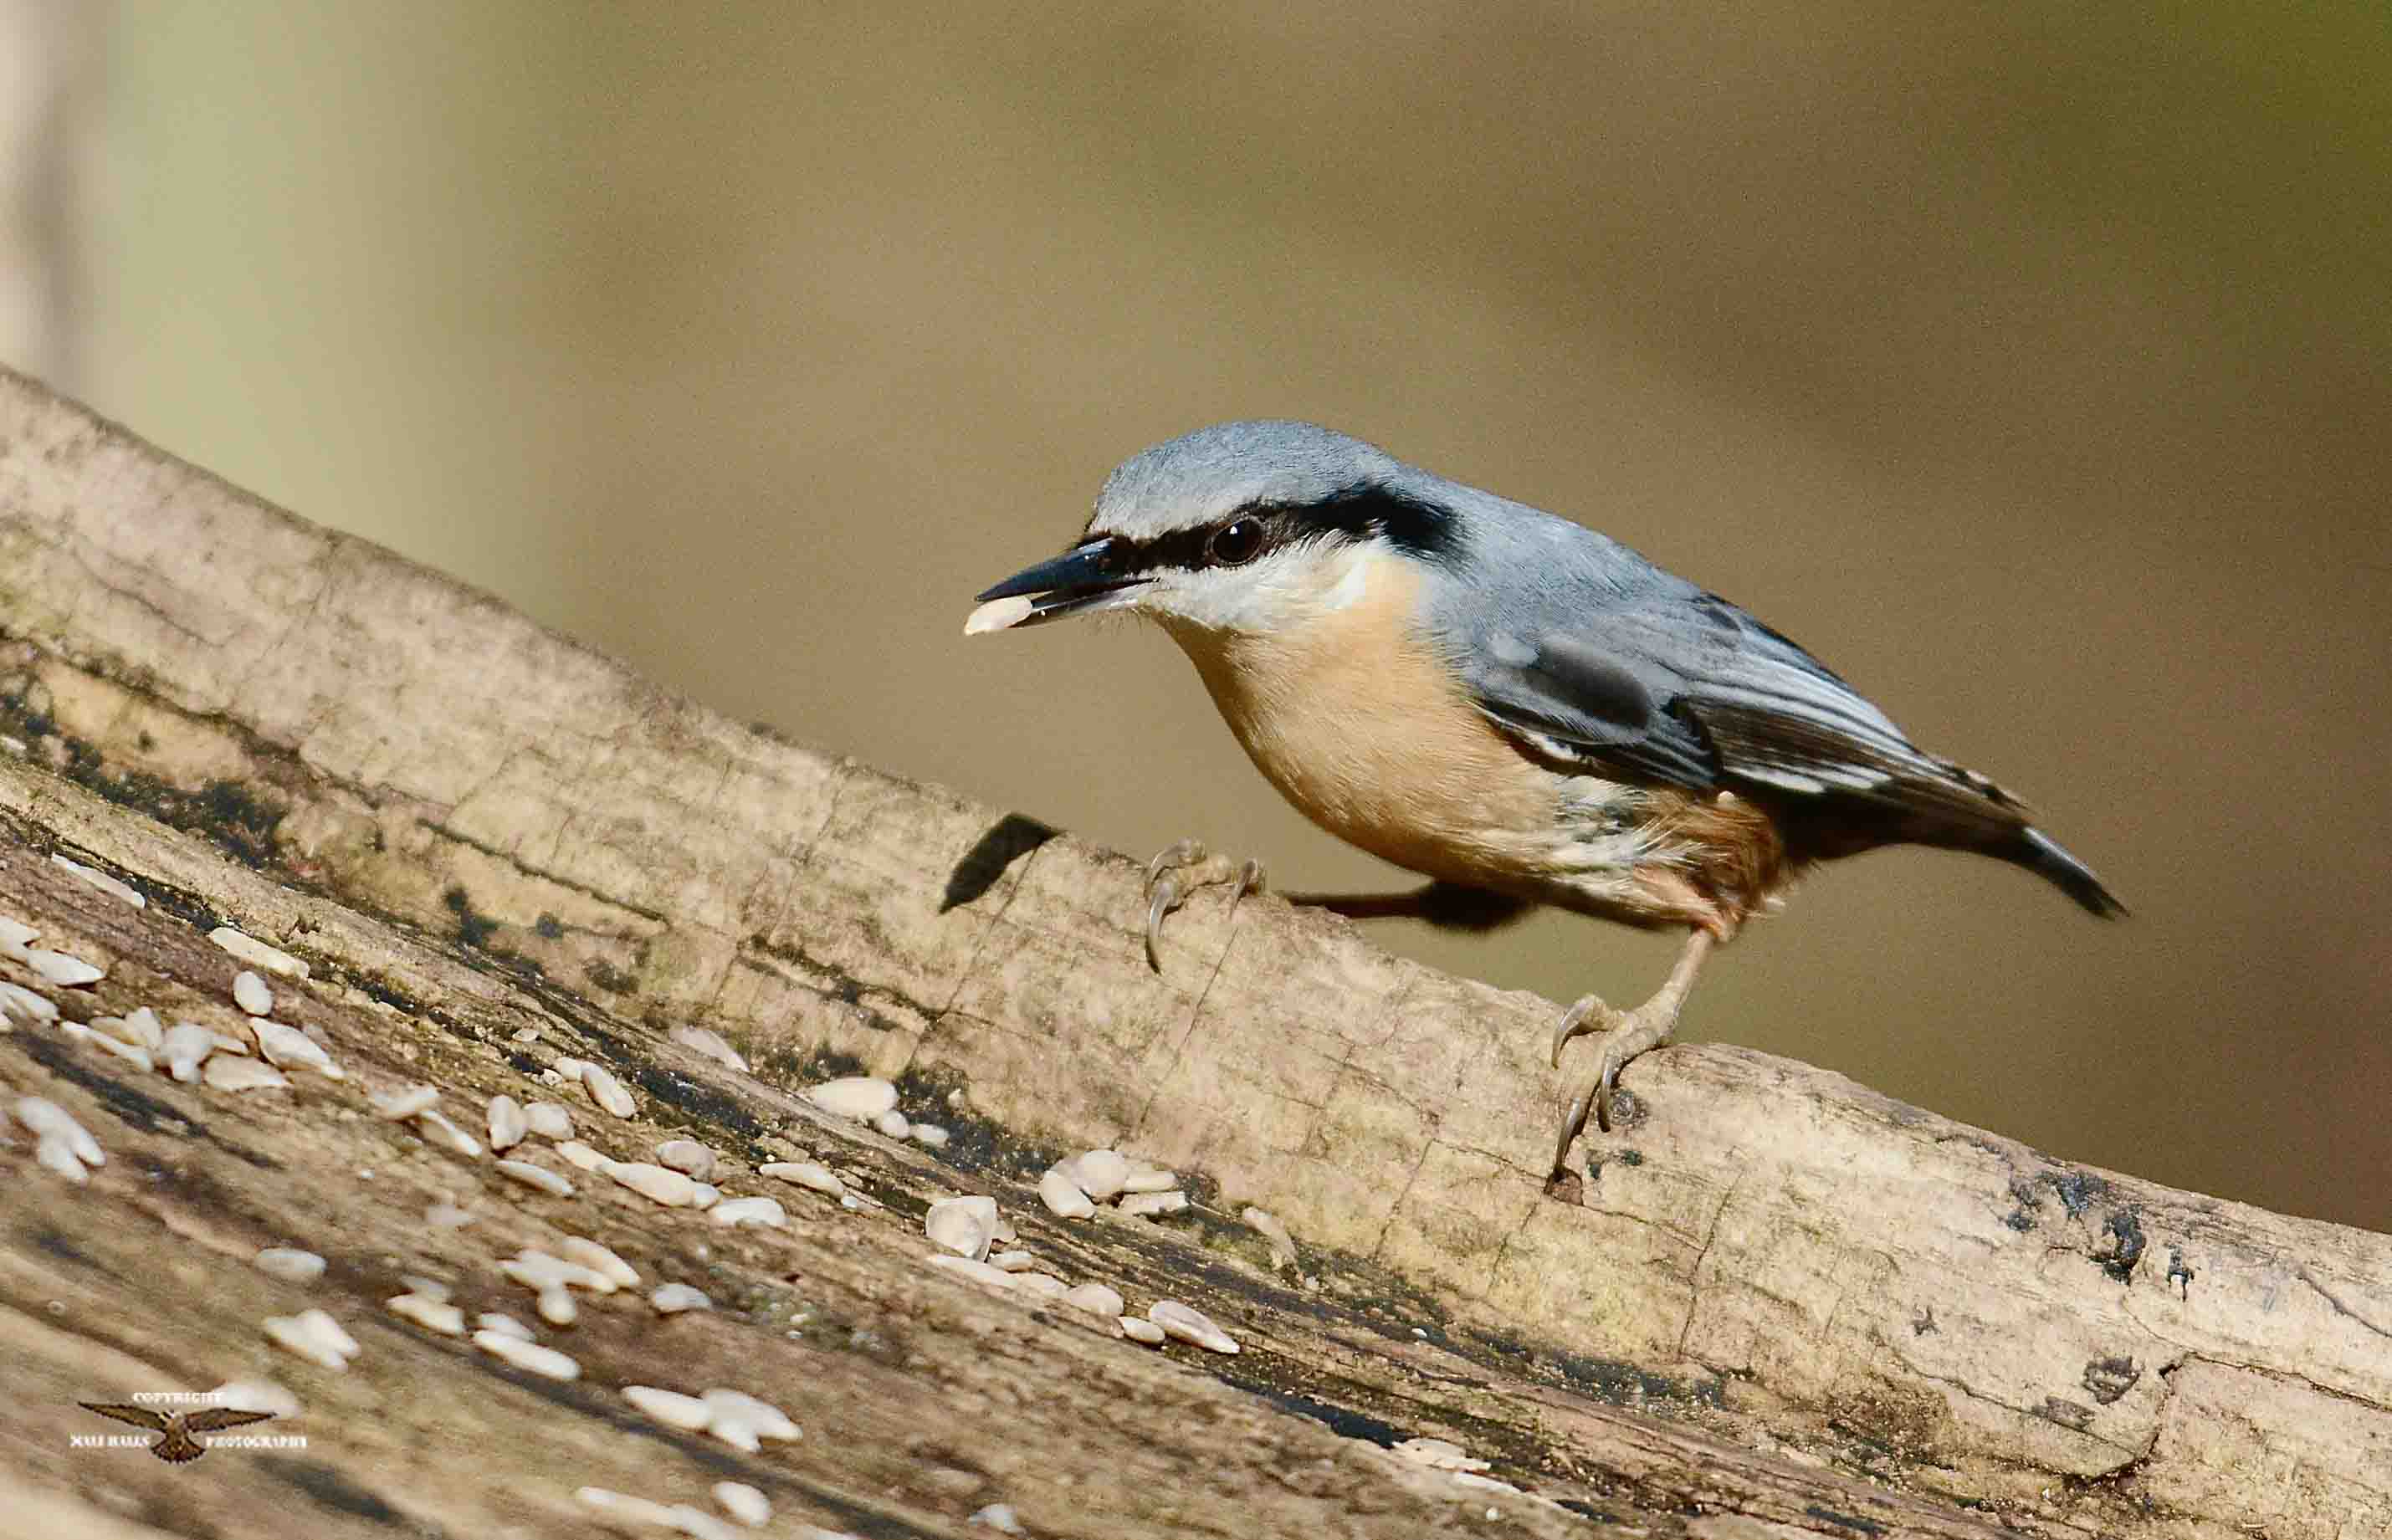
2040, 854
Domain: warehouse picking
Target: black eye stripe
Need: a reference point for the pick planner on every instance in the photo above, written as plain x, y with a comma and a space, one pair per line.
1422, 529
1193, 549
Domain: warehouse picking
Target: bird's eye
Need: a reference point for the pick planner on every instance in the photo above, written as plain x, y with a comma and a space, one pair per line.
1236, 543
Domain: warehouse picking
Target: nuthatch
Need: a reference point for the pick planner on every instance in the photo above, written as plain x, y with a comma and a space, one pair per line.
1521, 709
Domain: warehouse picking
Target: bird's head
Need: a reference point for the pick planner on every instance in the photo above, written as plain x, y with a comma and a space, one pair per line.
1241, 527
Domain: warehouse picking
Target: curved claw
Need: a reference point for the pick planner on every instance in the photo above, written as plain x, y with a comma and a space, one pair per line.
1573, 1121
1605, 1082
1574, 1021
1250, 880
1163, 895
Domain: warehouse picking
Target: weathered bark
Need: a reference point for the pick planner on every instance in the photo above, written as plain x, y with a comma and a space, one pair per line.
1778, 1303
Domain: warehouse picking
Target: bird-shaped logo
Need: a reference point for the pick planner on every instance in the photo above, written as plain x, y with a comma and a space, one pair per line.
175, 1444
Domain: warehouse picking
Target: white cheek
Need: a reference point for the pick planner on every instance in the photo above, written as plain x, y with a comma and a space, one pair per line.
1348, 590
1284, 590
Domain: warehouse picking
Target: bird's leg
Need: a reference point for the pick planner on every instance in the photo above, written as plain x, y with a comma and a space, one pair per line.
1632, 1032
1179, 870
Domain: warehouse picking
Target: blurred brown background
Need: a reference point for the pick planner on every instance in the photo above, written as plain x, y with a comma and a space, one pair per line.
2026, 362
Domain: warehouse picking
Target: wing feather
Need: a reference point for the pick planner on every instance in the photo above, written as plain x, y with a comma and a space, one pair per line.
1688, 691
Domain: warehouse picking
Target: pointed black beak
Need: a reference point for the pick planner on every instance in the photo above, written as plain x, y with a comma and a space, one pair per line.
1083, 578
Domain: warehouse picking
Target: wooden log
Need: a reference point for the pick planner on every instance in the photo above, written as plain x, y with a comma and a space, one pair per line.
1774, 1302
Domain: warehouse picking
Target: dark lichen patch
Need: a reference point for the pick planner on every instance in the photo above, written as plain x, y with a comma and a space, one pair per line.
1890, 1425
975, 1143
2078, 1191
836, 983
2179, 1273
1851, 1524
548, 927
1609, 1380
1344, 1421
472, 928
2108, 1378
677, 1101
2121, 1246
227, 814
605, 976
2072, 1415
374, 988
1624, 1384
2025, 1200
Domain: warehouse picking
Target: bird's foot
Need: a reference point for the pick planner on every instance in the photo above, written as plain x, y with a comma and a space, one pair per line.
1631, 1033
1180, 870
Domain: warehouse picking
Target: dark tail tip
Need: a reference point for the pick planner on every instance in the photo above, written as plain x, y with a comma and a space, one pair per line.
2042, 855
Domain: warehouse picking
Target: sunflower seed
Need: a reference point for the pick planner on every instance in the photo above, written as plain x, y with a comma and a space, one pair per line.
101, 880
314, 1336
764, 1211
229, 1073
1099, 1172
964, 1225
249, 949
766, 1418
399, 1105
537, 1270
19, 1001
290, 1264
624, 1508
862, 1097
687, 1157
599, 1260
61, 968
978, 1272
47, 1119
674, 1298
1096, 1299
529, 1356
549, 1121
507, 1123
711, 1043
606, 1091
1062, 1195
292, 1049
457, 1138
251, 993
1191, 1324
669, 1407
431, 1315
805, 1173
670, 1188
254, 1395
743, 1503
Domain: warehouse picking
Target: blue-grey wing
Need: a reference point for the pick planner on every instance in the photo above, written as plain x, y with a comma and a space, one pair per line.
1681, 688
